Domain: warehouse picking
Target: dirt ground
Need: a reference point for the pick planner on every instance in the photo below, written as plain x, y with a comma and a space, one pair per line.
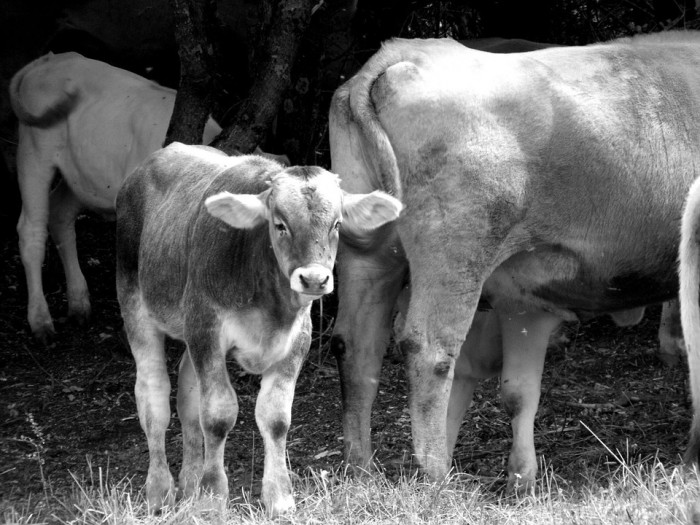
70, 407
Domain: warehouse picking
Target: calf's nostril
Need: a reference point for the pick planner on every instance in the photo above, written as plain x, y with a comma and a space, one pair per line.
303, 281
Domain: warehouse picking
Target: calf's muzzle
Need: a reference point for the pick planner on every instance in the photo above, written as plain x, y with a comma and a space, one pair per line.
313, 279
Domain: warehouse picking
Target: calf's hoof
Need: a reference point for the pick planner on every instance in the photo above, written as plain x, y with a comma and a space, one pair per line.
277, 494
214, 483
160, 491
188, 482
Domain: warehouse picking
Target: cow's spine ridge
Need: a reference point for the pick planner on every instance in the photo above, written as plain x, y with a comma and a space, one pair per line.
690, 307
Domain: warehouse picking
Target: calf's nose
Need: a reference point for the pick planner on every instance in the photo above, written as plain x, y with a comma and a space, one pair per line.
312, 280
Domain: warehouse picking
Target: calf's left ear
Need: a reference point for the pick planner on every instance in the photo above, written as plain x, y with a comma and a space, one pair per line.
367, 211
242, 211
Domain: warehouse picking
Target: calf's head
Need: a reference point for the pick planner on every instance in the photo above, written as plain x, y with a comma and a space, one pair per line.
304, 208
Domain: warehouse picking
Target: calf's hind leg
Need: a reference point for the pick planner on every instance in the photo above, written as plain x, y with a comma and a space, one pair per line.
152, 399
192, 438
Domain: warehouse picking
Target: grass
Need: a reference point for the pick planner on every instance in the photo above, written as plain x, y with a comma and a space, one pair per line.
647, 492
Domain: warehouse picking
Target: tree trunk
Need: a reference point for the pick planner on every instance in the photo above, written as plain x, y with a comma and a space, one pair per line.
341, 38
271, 70
194, 21
321, 65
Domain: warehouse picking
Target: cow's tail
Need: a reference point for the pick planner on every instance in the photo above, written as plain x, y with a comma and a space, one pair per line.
352, 102
38, 98
690, 307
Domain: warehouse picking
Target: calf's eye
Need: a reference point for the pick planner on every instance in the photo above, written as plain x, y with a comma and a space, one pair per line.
281, 228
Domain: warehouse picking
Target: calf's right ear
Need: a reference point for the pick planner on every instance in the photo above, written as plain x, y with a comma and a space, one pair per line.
368, 211
242, 211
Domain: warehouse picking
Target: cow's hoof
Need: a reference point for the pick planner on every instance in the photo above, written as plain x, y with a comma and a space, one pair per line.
361, 469
79, 317
281, 506
520, 485
44, 334
669, 360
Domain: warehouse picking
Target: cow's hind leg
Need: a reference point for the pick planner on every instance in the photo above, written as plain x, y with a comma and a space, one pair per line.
273, 414
367, 289
64, 209
671, 342
34, 178
192, 438
525, 338
152, 398
481, 357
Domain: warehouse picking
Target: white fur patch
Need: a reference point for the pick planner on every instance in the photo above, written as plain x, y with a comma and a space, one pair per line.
254, 346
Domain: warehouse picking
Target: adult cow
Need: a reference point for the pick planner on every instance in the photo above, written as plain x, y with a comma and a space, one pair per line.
83, 126
226, 254
547, 184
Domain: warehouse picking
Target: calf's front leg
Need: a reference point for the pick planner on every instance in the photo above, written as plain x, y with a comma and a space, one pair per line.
218, 410
273, 414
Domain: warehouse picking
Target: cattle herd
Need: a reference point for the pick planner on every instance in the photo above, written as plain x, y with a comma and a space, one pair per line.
475, 201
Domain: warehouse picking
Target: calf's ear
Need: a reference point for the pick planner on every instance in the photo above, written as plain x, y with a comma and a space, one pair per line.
238, 210
368, 211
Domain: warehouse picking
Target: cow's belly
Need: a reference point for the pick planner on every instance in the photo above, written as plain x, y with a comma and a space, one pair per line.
96, 175
95, 189
562, 281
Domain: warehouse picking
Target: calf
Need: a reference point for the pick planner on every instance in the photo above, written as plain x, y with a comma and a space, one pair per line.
544, 185
83, 126
226, 254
